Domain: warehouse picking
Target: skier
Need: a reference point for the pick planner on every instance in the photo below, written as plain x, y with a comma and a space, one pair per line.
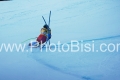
45, 34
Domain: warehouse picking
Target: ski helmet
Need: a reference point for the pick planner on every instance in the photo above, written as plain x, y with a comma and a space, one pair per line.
46, 26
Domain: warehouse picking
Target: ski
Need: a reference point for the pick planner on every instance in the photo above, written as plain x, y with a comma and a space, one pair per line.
47, 24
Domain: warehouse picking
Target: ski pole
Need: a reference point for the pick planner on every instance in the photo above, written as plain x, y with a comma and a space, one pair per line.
44, 20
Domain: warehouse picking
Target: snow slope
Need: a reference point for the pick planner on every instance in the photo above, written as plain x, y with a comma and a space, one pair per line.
71, 20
